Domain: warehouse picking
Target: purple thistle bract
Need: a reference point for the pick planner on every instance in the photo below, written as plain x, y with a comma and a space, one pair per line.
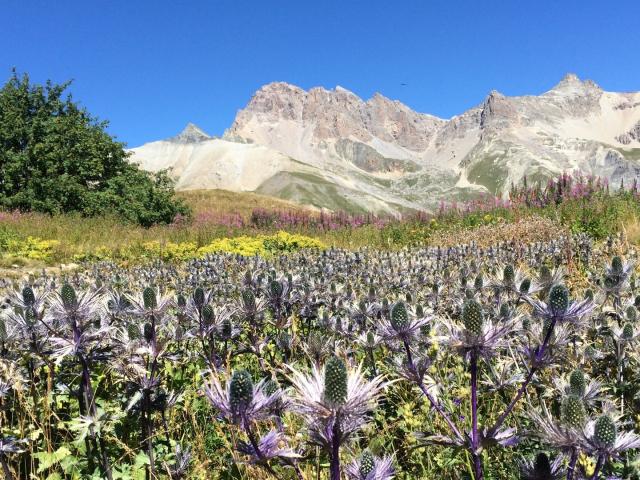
271, 446
255, 405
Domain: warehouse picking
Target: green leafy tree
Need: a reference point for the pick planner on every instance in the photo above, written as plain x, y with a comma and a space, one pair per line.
55, 158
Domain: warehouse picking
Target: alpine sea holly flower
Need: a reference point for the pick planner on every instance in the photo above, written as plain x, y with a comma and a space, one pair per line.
9, 446
335, 402
576, 384
151, 303
29, 299
556, 346
616, 276
559, 308
477, 333
502, 376
67, 307
178, 469
242, 401
626, 334
508, 281
370, 467
563, 435
362, 311
117, 306
547, 278
402, 325
249, 306
603, 440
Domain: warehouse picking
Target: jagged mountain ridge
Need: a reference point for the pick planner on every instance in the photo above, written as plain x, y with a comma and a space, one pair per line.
331, 149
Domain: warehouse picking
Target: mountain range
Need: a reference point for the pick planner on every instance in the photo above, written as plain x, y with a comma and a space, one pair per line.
331, 149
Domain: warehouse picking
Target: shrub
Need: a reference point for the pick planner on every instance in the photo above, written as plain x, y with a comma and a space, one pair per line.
55, 157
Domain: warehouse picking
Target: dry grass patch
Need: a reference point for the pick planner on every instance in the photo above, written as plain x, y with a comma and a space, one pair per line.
525, 230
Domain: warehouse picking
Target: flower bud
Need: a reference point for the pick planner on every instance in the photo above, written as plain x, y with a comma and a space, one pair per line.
28, 297
149, 298
508, 274
367, 463
525, 286
573, 411
399, 316
198, 297
69, 298
473, 317
616, 264
605, 431
335, 382
627, 331
240, 390
577, 383
559, 299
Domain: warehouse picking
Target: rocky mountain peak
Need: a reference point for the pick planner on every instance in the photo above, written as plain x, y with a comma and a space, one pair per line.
497, 111
571, 83
190, 134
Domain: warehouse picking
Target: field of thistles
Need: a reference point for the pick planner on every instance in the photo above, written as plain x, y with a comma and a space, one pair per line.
513, 360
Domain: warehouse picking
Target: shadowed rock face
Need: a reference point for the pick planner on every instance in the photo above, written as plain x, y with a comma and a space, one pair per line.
632, 135
369, 159
332, 149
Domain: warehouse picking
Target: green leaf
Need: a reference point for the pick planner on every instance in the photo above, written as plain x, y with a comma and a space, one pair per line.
48, 460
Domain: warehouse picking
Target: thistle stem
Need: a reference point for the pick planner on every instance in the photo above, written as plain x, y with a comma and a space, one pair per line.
256, 446
572, 464
434, 403
474, 417
5, 467
599, 466
335, 452
525, 384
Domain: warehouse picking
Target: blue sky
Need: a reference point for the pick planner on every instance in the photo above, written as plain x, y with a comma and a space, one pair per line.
149, 67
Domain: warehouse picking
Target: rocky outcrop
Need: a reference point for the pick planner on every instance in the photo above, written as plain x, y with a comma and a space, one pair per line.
191, 134
632, 135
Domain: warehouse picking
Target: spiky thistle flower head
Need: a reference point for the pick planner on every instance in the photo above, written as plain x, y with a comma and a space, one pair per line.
602, 436
241, 400
399, 316
322, 400
370, 467
577, 383
574, 413
559, 308
605, 430
335, 382
403, 324
473, 317
149, 298
476, 331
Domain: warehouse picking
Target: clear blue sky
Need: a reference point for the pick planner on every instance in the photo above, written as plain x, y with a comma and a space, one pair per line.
149, 67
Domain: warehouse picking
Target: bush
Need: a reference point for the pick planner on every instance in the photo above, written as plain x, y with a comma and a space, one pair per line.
55, 158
